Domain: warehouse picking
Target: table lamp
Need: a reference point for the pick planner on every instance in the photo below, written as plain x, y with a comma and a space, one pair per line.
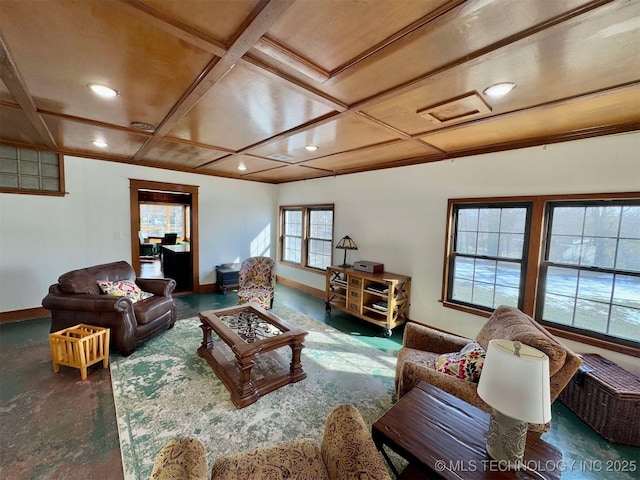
345, 244
515, 384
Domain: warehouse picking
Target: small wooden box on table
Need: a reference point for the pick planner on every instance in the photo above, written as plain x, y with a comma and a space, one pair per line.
444, 437
379, 298
250, 330
79, 346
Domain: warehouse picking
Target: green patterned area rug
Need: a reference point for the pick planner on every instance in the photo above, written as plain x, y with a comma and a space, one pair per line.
164, 389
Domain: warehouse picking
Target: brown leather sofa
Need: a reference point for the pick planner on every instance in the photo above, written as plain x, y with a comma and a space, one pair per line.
77, 298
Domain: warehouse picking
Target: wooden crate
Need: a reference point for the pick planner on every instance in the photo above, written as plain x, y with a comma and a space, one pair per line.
607, 398
79, 346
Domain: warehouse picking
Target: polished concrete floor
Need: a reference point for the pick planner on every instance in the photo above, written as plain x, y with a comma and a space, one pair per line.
56, 426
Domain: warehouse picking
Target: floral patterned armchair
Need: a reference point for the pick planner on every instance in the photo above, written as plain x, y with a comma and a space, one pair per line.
257, 281
346, 451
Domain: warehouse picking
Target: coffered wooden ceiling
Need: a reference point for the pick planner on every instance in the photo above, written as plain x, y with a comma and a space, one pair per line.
372, 83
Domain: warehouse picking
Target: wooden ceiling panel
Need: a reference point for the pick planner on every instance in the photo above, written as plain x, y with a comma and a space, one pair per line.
15, 127
622, 107
452, 39
245, 108
287, 174
219, 19
181, 154
230, 165
226, 80
346, 133
5, 94
78, 137
349, 30
61, 47
586, 63
373, 156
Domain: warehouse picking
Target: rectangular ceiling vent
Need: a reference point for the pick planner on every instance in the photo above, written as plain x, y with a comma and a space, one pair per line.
467, 106
280, 156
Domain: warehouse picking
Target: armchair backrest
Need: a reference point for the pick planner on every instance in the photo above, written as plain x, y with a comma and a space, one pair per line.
84, 280
509, 323
257, 272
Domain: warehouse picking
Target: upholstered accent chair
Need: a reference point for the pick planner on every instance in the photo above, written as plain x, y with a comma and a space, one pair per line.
257, 281
422, 346
132, 319
347, 451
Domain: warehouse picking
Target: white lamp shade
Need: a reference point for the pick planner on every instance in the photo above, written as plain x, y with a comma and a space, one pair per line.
516, 386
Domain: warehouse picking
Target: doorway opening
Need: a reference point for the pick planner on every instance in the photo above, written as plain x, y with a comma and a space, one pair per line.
164, 227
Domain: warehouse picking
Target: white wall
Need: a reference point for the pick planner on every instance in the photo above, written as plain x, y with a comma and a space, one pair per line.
42, 237
397, 216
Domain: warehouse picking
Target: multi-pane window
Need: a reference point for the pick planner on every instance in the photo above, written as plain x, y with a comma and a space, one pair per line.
570, 261
590, 274
320, 238
156, 219
307, 235
487, 258
292, 236
26, 170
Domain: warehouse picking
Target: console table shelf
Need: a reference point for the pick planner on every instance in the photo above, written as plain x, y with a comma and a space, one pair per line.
379, 298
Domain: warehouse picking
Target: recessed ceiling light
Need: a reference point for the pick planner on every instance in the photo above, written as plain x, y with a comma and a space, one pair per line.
499, 89
311, 148
100, 143
102, 90
242, 166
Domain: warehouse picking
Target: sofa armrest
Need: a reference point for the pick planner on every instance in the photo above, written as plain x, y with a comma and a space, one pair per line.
183, 458
413, 373
162, 287
87, 303
347, 448
421, 337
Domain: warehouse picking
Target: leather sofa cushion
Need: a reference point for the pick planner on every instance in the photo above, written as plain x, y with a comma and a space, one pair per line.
151, 309
84, 280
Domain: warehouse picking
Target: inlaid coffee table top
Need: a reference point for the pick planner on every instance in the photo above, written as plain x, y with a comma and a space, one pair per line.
250, 326
250, 330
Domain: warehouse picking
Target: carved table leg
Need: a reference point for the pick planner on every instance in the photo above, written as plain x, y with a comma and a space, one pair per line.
245, 387
296, 365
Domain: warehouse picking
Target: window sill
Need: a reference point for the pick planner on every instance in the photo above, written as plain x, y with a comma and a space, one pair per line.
559, 332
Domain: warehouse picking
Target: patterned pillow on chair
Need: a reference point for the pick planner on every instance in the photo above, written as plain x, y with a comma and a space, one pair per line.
466, 364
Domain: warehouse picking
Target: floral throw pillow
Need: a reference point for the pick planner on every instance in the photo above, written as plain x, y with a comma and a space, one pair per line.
123, 288
466, 364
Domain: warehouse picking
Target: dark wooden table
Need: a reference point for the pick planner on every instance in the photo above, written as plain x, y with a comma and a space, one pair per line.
250, 330
444, 437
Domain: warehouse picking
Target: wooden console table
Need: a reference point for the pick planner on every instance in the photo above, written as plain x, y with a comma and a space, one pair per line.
379, 298
444, 437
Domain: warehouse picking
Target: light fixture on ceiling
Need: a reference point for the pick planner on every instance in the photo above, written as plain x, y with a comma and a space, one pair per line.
242, 167
147, 127
102, 90
100, 143
311, 148
499, 89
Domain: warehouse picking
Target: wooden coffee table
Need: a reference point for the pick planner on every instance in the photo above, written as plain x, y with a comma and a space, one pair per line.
250, 330
444, 437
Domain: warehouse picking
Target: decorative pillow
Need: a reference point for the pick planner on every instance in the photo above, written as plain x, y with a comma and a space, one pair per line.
123, 288
466, 364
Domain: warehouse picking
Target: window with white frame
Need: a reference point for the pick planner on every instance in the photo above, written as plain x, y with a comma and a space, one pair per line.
306, 235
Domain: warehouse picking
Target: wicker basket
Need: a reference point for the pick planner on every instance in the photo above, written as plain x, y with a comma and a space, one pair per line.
607, 398
80, 347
